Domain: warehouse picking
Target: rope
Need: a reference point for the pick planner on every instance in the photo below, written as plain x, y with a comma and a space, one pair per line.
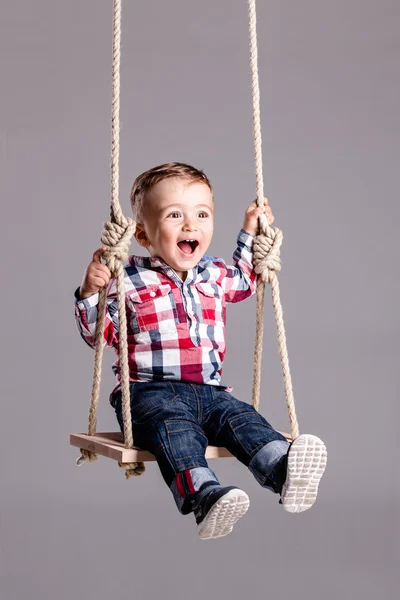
266, 250
116, 238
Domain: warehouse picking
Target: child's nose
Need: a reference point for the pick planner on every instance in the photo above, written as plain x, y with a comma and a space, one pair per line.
188, 226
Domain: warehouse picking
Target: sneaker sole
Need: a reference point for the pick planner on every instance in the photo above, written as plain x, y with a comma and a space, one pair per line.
224, 514
306, 464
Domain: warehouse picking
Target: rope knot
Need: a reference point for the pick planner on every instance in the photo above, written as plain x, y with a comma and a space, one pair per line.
132, 469
117, 238
266, 253
86, 455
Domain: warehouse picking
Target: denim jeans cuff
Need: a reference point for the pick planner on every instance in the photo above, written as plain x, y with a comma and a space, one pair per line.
187, 483
263, 464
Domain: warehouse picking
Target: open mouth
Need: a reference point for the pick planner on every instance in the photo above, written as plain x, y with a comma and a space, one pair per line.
188, 247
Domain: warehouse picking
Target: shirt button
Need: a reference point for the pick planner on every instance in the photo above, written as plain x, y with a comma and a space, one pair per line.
152, 294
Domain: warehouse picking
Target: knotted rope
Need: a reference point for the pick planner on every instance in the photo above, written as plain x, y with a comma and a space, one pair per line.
266, 250
116, 238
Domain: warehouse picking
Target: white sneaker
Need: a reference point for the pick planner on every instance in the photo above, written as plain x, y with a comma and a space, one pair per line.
305, 466
219, 511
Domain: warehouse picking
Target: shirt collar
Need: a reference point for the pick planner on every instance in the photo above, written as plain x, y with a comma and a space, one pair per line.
156, 262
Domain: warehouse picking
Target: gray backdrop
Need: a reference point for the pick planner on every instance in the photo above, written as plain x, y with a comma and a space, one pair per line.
330, 97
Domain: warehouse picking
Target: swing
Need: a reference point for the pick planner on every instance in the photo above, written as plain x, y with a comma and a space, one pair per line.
116, 238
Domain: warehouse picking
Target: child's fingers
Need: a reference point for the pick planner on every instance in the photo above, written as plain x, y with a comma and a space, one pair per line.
254, 203
97, 255
100, 281
268, 213
100, 270
266, 210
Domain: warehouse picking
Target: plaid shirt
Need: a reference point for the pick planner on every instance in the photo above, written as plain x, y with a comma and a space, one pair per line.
176, 329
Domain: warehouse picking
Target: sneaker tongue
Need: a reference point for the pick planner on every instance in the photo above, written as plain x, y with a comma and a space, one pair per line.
185, 247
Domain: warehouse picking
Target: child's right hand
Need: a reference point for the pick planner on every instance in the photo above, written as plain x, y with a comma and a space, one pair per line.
97, 275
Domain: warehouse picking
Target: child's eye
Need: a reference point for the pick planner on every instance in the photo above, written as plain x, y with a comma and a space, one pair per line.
175, 213
203, 213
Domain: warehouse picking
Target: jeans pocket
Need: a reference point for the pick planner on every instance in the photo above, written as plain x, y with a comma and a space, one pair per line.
147, 400
186, 440
251, 431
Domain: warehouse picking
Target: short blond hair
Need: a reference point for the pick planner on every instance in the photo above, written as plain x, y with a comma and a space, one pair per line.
147, 180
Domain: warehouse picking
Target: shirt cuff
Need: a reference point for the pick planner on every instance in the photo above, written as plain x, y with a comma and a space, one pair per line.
85, 303
246, 239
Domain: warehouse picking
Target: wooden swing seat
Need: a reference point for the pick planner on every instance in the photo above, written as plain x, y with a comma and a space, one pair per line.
111, 445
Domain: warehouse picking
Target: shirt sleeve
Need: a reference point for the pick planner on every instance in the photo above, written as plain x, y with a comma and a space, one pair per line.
240, 279
86, 317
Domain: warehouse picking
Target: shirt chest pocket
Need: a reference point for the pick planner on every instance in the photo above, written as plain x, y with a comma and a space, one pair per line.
153, 308
212, 302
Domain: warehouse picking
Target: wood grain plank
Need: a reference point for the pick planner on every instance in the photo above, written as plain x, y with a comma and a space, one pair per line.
110, 444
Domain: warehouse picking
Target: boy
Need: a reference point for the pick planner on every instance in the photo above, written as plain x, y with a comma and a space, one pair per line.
176, 313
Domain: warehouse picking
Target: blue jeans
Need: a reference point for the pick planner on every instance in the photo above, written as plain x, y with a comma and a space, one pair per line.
176, 421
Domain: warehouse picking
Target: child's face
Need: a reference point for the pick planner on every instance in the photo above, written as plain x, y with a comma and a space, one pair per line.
178, 210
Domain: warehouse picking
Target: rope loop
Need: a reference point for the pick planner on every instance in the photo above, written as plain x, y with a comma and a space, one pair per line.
267, 252
86, 455
132, 469
116, 237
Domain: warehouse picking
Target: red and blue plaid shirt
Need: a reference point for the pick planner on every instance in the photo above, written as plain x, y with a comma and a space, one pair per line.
176, 329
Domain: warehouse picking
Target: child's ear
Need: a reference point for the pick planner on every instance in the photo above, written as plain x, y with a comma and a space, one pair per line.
141, 236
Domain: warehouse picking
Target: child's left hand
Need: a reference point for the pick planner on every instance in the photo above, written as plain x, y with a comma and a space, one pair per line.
250, 223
